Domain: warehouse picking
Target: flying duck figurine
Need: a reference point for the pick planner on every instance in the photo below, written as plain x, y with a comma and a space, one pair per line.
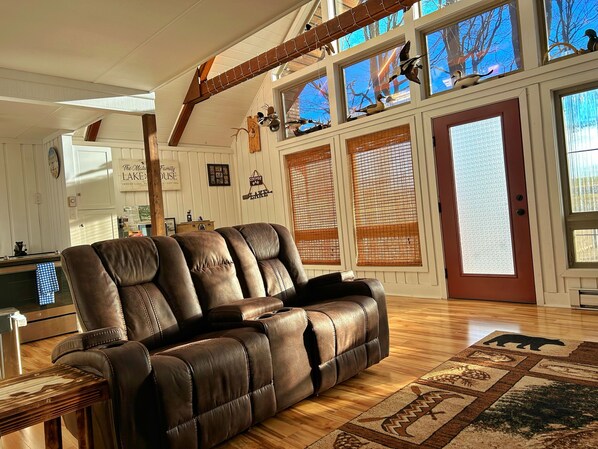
328, 48
463, 81
592, 39
408, 66
375, 107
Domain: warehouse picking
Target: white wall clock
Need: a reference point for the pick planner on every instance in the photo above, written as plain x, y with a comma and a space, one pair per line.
54, 162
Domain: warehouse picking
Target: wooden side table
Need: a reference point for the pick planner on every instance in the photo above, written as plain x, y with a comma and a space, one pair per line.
46, 395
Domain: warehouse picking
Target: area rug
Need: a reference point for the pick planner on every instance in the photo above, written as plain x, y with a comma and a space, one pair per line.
505, 391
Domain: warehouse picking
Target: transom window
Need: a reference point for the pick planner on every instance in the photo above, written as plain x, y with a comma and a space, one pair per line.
430, 6
368, 78
306, 107
484, 43
368, 32
566, 23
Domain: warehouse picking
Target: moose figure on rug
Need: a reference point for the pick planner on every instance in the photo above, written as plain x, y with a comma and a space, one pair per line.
534, 343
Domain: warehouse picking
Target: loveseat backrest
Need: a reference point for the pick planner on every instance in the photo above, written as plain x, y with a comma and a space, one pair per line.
275, 257
140, 285
212, 268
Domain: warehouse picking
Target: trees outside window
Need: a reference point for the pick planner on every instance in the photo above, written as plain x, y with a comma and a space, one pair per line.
482, 43
566, 23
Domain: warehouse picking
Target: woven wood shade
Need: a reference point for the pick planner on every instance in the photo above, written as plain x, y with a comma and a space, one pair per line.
384, 202
313, 206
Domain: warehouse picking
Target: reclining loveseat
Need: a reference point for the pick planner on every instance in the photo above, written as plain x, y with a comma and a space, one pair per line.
205, 334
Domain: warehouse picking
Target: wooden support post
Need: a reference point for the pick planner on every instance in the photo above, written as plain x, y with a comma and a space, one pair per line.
154, 181
84, 428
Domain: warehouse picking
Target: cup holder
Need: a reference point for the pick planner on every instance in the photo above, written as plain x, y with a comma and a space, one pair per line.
271, 314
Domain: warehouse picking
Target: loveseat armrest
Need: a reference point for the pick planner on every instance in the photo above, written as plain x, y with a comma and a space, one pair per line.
330, 278
126, 365
363, 287
244, 309
99, 338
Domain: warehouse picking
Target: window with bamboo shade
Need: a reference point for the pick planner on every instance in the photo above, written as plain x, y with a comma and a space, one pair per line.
384, 203
313, 205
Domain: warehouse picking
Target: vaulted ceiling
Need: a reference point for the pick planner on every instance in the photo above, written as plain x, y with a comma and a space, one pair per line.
117, 49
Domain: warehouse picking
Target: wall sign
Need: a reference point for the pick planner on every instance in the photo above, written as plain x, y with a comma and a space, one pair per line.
257, 188
132, 175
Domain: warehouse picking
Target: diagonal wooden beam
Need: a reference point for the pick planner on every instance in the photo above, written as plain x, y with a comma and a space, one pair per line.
91, 132
327, 32
201, 74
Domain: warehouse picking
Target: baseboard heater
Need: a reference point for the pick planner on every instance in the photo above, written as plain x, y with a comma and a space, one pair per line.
588, 299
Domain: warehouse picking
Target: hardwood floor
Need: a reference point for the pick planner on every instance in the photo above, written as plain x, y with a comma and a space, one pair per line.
424, 333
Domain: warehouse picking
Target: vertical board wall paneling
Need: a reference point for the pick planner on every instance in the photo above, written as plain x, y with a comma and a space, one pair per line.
32, 194
211, 203
6, 240
26, 181
15, 175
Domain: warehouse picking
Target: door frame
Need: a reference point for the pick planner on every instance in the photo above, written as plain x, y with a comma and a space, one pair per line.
529, 99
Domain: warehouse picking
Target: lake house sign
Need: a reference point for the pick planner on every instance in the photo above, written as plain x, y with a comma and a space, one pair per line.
132, 175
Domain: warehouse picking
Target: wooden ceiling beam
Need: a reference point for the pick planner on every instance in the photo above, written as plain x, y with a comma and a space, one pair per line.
327, 32
91, 132
195, 90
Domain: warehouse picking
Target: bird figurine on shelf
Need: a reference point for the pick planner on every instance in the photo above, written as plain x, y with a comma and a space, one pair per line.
409, 67
374, 108
592, 40
463, 81
328, 48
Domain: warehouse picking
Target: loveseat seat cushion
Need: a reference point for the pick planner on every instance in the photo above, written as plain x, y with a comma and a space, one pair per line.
213, 388
345, 332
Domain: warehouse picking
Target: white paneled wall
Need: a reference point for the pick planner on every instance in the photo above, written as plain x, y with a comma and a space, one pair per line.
32, 202
212, 203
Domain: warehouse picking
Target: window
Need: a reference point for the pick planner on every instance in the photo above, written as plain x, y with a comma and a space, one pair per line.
579, 165
566, 23
313, 206
307, 59
386, 226
430, 6
366, 79
487, 42
306, 107
368, 32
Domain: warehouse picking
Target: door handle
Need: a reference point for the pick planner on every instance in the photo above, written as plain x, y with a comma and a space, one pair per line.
520, 212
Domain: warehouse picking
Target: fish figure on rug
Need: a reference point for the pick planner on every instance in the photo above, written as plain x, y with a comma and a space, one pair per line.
423, 405
492, 356
463, 81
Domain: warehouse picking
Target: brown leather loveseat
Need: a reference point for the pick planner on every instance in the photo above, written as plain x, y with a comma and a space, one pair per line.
205, 334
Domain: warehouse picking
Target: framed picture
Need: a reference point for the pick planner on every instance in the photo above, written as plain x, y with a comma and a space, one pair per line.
218, 175
170, 224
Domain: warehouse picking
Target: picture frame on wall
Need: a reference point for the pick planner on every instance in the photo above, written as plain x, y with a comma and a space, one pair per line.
170, 224
218, 175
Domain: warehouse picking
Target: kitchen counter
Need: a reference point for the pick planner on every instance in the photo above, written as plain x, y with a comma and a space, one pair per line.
18, 289
14, 261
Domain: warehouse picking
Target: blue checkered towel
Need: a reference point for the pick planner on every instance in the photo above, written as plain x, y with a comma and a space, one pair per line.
47, 282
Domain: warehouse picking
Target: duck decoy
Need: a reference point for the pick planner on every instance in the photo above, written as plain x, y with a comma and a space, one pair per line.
462, 81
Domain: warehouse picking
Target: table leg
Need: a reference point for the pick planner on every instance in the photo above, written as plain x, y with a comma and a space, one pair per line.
84, 428
53, 433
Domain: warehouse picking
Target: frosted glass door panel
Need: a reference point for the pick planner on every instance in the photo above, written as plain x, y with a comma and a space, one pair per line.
482, 198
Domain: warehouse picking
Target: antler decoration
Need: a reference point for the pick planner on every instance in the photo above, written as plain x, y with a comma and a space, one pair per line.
235, 135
